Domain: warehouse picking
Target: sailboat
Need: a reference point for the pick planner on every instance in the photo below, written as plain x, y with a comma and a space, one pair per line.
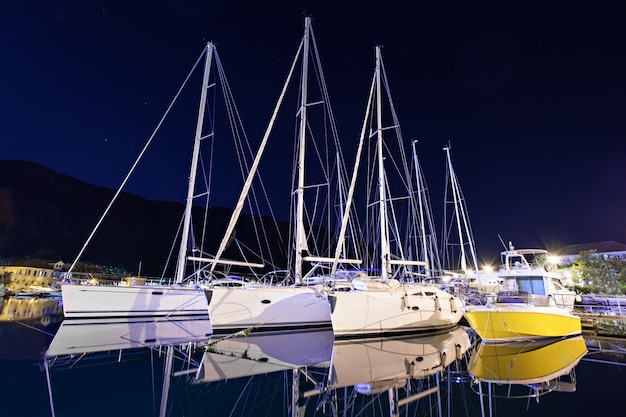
183, 297
233, 303
269, 306
533, 304
391, 301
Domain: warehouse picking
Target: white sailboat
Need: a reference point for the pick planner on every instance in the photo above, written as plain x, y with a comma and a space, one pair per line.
233, 304
387, 303
179, 299
270, 307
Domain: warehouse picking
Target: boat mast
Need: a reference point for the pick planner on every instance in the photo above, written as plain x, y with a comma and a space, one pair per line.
420, 189
384, 248
300, 235
462, 221
182, 254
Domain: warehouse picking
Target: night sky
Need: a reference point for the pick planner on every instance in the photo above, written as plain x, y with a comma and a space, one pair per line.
531, 96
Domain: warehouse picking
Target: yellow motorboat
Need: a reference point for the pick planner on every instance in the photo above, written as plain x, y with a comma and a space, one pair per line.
509, 321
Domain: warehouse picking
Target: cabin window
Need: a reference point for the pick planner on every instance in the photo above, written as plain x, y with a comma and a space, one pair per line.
533, 285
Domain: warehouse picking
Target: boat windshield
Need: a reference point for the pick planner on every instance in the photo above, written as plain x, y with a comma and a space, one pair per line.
532, 285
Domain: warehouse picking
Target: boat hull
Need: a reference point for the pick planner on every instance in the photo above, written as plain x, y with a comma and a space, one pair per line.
369, 313
267, 308
521, 322
85, 301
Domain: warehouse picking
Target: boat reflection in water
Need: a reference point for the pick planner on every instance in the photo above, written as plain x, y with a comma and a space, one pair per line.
525, 370
241, 355
172, 368
80, 336
307, 374
92, 358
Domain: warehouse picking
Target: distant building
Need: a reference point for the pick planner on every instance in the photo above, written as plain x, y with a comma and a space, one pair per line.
20, 274
608, 249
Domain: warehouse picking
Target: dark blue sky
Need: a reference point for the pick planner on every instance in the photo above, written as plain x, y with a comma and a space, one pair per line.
532, 96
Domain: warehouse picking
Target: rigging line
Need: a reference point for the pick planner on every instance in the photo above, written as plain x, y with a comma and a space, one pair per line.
241, 144
172, 248
34, 328
132, 169
248, 183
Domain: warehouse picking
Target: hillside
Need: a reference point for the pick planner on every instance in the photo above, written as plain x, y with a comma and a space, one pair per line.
42, 210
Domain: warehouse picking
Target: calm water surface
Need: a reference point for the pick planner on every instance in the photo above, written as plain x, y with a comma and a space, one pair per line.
171, 368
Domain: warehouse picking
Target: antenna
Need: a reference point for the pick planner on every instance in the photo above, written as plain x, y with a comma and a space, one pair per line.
502, 241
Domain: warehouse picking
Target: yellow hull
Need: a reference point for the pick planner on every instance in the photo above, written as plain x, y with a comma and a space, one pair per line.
521, 322
530, 363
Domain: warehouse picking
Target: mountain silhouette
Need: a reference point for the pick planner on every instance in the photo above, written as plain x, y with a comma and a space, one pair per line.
42, 211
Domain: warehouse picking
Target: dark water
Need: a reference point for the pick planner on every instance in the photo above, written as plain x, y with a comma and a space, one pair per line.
170, 368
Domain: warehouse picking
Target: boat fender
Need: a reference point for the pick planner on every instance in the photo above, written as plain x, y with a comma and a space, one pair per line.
437, 305
459, 351
405, 305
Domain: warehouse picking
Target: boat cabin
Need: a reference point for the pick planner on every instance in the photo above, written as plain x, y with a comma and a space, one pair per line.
528, 273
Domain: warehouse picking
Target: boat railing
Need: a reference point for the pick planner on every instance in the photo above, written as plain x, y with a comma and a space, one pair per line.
521, 297
603, 304
87, 278
564, 300
516, 297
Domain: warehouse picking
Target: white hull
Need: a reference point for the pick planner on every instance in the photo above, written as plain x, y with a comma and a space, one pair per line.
267, 308
401, 310
85, 301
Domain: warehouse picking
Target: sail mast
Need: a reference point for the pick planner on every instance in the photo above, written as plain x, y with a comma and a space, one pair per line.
300, 235
422, 218
182, 258
462, 220
385, 254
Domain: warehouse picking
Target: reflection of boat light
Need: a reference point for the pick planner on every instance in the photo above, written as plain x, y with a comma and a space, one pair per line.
538, 365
